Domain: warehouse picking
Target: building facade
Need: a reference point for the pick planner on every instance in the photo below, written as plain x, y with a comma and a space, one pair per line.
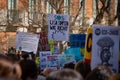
31, 15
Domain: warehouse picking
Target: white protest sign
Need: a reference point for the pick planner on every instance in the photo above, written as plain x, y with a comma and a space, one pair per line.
27, 42
43, 59
58, 27
105, 46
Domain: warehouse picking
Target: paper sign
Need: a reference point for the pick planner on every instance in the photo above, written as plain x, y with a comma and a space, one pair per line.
75, 52
43, 42
58, 27
43, 59
27, 42
77, 40
52, 62
105, 46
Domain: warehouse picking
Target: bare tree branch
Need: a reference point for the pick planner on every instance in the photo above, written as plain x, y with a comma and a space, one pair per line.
60, 6
118, 12
52, 4
105, 8
77, 14
97, 9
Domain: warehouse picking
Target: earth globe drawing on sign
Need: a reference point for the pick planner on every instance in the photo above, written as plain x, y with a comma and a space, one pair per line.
105, 44
20, 48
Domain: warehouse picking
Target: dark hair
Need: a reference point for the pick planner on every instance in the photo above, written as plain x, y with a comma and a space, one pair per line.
83, 68
69, 66
64, 74
25, 55
29, 69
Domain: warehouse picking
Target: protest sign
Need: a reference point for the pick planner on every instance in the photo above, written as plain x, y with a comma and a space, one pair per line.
52, 62
88, 45
58, 27
27, 42
77, 40
62, 60
70, 58
56, 49
105, 47
76, 52
43, 42
43, 59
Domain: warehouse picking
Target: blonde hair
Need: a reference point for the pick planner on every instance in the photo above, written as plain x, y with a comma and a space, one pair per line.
101, 72
64, 74
115, 77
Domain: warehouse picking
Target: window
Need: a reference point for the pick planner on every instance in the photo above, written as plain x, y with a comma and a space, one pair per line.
49, 8
66, 6
94, 8
12, 9
32, 9
12, 4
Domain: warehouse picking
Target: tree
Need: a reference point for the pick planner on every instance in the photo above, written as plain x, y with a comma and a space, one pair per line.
118, 12
106, 9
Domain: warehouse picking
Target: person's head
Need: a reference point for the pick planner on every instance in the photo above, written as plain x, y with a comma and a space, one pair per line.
9, 70
69, 66
28, 55
47, 71
64, 74
29, 69
83, 68
25, 55
13, 57
100, 73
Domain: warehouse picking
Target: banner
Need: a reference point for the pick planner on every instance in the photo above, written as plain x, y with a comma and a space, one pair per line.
105, 47
27, 42
88, 45
58, 27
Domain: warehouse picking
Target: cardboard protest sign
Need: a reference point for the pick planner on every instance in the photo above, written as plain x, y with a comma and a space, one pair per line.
77, 40
43, 59
52, 62
58, 27
70, 58
62, 60
76, 52
43, 42
88, 45
27, 42
56, 50
105, 47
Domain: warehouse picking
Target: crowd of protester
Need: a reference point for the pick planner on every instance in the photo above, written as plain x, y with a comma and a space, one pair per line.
22, 67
